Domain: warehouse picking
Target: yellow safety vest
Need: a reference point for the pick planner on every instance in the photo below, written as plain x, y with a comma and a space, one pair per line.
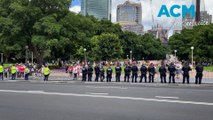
1, 69
46, 71
13, 69
27, 70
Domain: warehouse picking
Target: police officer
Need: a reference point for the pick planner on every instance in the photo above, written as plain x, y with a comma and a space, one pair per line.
186, 70
27, 72
13, 72
199, 74
109, 74
143, 70
46, 73
171, 70
84, 73
134, 73
97, 72
102, 74
118, 72
90, 72
1, 71
127, 71
162, 71
151, 71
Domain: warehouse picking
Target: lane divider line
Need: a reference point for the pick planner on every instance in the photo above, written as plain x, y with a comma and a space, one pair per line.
166, 97
109, 97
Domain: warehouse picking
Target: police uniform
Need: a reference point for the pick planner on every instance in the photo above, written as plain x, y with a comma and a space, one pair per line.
186, 70
199, 74
13, 72
151, 71
118, 73
46, 73
102, 74
134, 73
143, 70
163, 71
109, 74
127, 72
90, 72
1, 72
171, 70
84, 73
97, 73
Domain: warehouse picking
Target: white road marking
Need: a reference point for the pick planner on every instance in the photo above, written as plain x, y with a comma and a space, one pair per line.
166, 97
109, 97
35, 91
97, 93
104, 87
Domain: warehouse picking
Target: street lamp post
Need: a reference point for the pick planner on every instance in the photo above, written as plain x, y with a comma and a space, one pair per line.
32, 58
127, 56
2, 59
26, 52
192, 48
175, 54
85, 59
131, 55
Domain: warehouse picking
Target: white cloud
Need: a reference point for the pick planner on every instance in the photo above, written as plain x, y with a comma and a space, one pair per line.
75, 9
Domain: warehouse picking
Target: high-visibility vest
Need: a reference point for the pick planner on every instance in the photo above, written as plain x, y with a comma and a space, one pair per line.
27, 70
13, 69
46, 71
1, 69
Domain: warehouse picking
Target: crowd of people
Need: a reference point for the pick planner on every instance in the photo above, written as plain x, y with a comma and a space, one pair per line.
132, 72
23, 71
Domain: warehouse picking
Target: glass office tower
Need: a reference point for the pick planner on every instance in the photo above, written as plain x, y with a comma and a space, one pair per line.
98, 8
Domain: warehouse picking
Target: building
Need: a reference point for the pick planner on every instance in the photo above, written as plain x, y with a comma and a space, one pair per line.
129, 16
176, 31
100, 9
160, 33
129, 12
205, 18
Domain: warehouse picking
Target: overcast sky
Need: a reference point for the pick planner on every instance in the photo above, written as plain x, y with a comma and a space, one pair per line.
148, 7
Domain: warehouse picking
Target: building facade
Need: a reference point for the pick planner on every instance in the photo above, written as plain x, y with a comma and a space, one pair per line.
205, 18
129, 16
160, 33
100, 9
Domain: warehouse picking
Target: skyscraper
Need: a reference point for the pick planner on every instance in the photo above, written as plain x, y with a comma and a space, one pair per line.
204, 17
98, 8
129, 16
129, 12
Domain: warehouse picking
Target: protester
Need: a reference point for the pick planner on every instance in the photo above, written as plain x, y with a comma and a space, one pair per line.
178, 68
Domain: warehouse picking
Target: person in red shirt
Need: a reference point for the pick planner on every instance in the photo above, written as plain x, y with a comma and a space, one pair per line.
70, 71
21, 68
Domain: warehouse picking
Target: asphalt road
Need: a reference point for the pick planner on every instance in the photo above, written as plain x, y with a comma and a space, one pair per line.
108, 101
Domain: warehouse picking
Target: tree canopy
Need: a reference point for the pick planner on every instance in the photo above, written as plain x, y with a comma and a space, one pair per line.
51, 31
200, 37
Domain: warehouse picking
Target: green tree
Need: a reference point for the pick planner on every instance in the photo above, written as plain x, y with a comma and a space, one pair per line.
106, 47
200, 37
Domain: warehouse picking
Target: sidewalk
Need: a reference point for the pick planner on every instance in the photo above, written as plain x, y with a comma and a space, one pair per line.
61, 76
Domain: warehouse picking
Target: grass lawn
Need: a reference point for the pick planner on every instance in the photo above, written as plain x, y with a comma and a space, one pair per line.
209, 68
